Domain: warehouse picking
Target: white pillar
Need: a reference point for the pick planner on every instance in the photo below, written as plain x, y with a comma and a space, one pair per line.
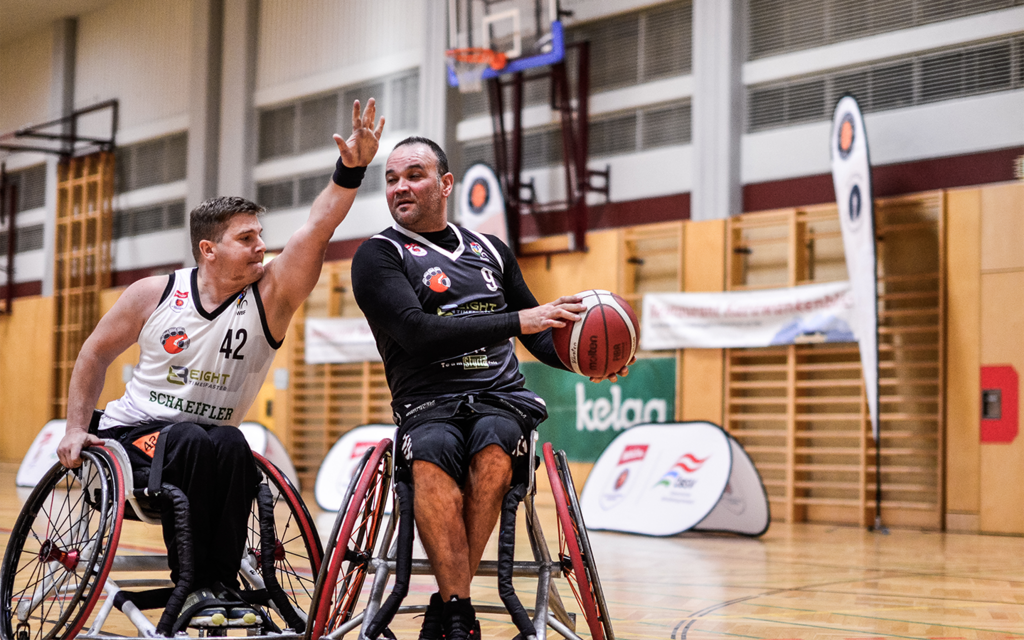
717, 108
62, 103
204, 106
238, 144
433, 81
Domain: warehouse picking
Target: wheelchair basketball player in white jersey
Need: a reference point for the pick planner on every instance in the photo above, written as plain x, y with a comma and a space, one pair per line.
207, 337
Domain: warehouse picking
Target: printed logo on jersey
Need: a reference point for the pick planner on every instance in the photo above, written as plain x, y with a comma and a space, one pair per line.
436, 280
178, 300
197, 378
416, 249
240, 303
477, 249
177, 375
174, 340
466, 307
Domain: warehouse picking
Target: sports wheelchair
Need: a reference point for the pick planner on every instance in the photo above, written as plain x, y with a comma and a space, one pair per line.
60, 559
353, 553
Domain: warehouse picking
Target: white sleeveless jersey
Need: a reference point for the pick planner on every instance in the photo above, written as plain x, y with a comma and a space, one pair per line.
197, 365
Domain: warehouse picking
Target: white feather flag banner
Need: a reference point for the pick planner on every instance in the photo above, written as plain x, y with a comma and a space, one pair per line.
851, 176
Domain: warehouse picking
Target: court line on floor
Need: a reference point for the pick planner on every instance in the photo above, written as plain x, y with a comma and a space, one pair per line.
682, 630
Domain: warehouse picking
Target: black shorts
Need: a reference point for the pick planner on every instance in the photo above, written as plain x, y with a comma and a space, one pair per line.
453, 433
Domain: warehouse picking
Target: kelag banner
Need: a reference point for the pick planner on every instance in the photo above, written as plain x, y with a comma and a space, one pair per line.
584, 417
735, 319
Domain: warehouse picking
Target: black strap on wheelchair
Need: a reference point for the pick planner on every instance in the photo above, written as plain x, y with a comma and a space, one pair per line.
156, 471
506, 560
171, 622
403, 562
268, 543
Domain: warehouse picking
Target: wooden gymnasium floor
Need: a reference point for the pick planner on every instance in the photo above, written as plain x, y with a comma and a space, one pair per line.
797, 581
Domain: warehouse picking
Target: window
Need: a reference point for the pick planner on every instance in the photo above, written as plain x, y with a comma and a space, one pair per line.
649, 127
28, 238
143, 220
309, 124
301, 191
625, 50
784, 26
30, 184
929, 77
150, 163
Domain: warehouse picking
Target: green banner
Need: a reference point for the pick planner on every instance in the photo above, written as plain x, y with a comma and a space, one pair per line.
584, 417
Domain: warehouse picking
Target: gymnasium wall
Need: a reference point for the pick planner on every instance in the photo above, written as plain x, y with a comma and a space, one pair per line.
330, 44
138, 53
984, 321
26, 65
985, 457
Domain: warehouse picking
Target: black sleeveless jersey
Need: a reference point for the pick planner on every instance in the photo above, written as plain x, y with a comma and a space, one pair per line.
465, 285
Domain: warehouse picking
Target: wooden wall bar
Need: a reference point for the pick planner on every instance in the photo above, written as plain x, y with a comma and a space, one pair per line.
952, 269
85, 188
800, 410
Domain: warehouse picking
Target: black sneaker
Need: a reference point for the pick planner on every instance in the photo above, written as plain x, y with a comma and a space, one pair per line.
459, 620
433, 625
238, 613
203, 614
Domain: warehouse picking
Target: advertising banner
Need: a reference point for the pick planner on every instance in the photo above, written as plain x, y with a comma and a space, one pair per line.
335, 340
851, 176
41, 455
736, 319
266, 443
584, 417
661, 480
340, 464
481, 203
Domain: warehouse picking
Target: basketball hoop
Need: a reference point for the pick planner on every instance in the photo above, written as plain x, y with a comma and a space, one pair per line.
469, 64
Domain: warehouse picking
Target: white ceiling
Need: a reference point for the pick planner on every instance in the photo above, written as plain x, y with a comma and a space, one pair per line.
19, 18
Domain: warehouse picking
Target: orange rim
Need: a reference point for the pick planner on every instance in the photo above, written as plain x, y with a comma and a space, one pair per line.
479, 55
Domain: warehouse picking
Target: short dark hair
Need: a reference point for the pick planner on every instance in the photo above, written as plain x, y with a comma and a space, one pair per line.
209, 220
442, 159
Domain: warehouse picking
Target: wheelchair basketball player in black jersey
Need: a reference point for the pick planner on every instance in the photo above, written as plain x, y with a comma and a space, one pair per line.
443, 303
226, 318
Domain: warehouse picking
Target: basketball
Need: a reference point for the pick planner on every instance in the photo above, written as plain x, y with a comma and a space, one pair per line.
603, 340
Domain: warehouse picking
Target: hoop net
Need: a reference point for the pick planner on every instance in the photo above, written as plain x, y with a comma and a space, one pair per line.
469, 65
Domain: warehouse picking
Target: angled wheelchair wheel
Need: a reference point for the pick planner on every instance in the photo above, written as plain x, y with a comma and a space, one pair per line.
61, 550
297, 552
351, 545
574, 551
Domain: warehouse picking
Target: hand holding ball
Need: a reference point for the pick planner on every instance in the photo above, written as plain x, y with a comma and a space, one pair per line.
603, 340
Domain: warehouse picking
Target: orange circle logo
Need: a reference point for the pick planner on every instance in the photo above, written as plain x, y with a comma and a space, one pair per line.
846, 136
479, 195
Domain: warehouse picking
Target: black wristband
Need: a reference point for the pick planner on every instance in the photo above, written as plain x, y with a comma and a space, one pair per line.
348, 177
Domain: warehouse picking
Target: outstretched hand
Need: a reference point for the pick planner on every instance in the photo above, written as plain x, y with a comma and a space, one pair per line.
552, 314
361, 146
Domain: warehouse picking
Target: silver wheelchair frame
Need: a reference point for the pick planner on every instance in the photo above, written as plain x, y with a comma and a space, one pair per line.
56, 584
548, 610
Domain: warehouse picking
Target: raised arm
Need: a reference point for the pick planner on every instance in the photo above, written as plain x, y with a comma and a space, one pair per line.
117, 330
291, 276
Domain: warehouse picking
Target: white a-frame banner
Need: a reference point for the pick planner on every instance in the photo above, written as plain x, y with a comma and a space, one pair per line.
851, 175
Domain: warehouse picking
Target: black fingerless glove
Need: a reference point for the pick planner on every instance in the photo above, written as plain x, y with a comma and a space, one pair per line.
348, 177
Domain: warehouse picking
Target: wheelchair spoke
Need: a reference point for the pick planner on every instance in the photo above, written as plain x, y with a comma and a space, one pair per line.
61, 548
